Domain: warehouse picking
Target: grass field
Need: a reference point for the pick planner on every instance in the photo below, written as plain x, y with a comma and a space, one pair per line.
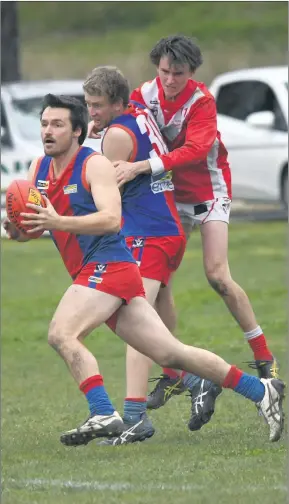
229, 460
68, 39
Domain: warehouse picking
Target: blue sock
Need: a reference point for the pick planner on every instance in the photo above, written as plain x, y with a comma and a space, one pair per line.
133, 409
96, 395
250, 387
98, 402
190, 380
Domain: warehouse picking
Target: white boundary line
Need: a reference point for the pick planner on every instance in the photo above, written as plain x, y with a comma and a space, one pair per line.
122, 487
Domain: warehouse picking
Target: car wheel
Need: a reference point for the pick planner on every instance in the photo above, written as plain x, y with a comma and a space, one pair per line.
285, 189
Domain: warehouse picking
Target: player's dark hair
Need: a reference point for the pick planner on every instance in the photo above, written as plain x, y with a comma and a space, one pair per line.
179, 49
107, 81
78, 111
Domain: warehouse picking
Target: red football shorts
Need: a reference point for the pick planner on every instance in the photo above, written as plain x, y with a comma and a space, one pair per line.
157, 257
120, 279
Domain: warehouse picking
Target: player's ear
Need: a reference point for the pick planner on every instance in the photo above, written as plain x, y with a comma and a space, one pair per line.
118, 106
77, 132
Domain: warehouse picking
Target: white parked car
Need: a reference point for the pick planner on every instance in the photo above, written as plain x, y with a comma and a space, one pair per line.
252, 107
20, 125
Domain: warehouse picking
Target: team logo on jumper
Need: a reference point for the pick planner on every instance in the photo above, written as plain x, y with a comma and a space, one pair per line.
34, 197
154, 102
100, 268
69, 189
162, 183
184, 112
138, 243
95, 279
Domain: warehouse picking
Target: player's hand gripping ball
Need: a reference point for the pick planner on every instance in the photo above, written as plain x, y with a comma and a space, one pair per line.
18, 193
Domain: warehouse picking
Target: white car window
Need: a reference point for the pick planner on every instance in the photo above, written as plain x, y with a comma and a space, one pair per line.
28, 124
240, 99
5, 134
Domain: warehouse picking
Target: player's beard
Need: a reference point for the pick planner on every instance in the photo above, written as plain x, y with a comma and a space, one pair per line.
49, 149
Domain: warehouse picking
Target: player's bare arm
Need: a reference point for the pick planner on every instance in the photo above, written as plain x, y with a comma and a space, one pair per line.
118, 144
100, 176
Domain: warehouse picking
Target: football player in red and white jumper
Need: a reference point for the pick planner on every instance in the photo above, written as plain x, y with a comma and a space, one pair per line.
186, 114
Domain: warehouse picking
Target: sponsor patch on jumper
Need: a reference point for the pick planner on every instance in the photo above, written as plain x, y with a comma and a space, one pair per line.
69, 189
95, 279
162, 183
42, 184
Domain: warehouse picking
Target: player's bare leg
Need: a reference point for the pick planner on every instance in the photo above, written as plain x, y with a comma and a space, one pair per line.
170, 382
173, 382
165, 306
215, 256
79, 312
138, 365
203, 393
140, 326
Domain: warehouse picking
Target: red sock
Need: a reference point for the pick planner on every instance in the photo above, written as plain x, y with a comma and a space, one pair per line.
136, 399
233, 377
260, 349
170, 372
90, 383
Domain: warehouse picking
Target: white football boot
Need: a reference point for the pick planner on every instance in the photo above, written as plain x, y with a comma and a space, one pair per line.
94, 427
271, 406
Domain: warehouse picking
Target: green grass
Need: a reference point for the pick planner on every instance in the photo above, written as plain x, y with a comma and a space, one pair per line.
68, 39
207, 21
230, 459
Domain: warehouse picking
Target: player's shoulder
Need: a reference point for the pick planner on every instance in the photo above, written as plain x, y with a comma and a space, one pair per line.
145, 89
201, 88
198, 96
93, 159
96, 167
119, 130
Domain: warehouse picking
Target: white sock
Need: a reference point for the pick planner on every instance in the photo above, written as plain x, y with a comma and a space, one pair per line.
253, 334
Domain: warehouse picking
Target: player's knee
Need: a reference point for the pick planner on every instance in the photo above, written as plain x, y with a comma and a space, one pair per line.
55, 339
218, 278
166, 358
